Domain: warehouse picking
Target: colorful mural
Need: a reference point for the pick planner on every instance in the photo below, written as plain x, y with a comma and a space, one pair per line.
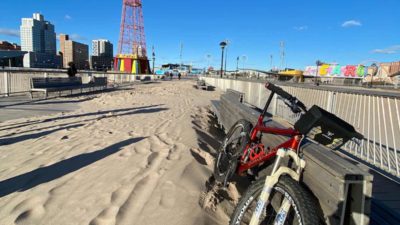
327, 70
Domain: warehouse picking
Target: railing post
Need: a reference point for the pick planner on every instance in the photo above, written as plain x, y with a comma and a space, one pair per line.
275, 105
331, 102
6, 84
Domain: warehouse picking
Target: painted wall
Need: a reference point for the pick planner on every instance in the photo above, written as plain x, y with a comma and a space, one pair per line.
328, 70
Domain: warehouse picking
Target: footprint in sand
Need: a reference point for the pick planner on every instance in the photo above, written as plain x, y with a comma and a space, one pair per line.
106, 217
175, 151
168, 195
164, 137
125, 153
156, 145
130, 210
30, 210
143, 147
152, 158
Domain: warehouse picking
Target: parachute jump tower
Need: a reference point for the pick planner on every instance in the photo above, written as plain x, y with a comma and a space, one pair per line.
132, 53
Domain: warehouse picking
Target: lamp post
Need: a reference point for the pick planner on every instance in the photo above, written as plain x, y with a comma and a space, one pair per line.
222, 45
154, 60
237, 64
226, 54
316, 73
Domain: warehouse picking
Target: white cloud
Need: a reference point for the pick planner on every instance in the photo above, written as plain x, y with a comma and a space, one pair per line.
352, 23
9, 32
301, 28
390, 50
68, 17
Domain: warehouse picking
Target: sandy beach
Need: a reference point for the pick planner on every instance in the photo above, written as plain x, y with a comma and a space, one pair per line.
141, 155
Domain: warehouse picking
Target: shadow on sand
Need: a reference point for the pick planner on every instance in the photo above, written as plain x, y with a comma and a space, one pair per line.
99, 113
45, 174
6, 140
12, 140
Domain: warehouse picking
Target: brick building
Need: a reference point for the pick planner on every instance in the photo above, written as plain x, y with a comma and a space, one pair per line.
75, 52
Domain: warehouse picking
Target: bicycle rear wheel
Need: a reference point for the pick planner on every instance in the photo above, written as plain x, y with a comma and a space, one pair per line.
231, 149
302, 210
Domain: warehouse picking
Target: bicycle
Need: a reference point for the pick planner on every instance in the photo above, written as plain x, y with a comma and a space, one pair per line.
281, 191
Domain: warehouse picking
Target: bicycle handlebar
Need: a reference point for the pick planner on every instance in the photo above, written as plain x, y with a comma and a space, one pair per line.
295, 103
279, 91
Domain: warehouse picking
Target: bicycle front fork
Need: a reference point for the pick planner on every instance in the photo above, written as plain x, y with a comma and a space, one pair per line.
272, 180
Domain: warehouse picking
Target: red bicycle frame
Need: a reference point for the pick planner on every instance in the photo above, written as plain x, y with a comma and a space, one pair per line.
256, 158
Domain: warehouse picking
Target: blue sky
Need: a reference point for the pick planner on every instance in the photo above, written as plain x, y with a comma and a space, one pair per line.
342, 31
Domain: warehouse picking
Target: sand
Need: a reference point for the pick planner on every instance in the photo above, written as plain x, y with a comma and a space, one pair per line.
137, 156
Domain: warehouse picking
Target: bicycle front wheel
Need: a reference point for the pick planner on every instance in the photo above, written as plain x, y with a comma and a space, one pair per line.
302, 210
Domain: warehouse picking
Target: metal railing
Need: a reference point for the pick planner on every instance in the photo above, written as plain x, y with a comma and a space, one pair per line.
14, 81
374, 115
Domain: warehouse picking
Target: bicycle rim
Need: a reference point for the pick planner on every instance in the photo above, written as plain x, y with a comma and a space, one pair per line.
230, 150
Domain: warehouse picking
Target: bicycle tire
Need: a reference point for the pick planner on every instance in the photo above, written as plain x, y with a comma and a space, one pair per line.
304, 207
227, 159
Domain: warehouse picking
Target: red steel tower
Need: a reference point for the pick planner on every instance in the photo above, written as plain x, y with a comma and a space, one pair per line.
132, 53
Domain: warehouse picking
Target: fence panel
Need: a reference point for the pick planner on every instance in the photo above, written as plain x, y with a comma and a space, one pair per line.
18, 81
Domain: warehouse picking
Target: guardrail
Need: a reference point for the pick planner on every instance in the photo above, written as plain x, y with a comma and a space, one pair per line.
323, 81
13, 81
374, 114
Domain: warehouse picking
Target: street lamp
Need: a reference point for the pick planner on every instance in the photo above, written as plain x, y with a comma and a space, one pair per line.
237, 64
154, 60
319, 63
222, 45
226, 54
